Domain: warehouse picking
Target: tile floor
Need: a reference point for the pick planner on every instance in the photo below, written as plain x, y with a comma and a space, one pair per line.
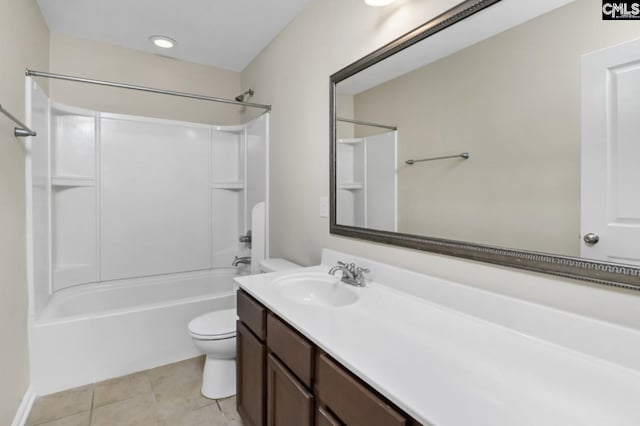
164, 396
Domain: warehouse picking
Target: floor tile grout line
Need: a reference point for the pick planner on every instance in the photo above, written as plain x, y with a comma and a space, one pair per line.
224, 416
153, 396
93, 396
54, 419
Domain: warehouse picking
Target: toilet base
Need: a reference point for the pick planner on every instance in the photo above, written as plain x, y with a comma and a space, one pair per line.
219, 378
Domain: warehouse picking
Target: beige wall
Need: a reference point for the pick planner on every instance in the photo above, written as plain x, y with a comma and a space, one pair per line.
100, 61
23, 42
293, 73
518, 113
344, 109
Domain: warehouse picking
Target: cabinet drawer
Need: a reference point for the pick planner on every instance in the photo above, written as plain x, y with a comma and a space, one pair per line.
252, 314
351, 401
294, 350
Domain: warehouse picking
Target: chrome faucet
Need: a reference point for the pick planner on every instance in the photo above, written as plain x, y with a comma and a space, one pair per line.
351, 274
246, 260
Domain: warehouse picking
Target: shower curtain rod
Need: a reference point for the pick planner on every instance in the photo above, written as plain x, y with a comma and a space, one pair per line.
366, 123
33, 73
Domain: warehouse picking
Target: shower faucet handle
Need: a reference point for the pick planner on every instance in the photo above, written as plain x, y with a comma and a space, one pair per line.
245, 238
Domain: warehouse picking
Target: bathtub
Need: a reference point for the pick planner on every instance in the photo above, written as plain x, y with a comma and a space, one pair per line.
95, 332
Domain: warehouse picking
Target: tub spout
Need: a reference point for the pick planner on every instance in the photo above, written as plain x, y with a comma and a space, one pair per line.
246, 260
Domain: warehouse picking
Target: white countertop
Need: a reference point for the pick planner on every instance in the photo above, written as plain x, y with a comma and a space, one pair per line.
445, 367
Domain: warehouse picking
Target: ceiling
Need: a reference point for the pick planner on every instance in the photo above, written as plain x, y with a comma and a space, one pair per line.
487, 23
222, 33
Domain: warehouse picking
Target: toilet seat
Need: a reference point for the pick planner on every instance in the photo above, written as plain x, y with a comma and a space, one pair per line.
215, 325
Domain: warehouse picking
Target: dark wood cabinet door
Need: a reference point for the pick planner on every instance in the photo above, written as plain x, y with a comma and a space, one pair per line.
349, 400
250, 380
325, 418
289, 403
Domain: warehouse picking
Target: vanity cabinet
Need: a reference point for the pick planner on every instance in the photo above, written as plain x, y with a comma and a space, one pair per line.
251, 375
350, 401
285, 380
251, 353
324, 418
289, 402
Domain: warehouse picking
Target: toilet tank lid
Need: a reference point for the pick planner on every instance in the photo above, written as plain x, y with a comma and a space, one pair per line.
274, 265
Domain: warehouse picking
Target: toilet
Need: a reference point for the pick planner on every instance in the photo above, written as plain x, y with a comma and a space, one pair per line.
277, 265
215, 335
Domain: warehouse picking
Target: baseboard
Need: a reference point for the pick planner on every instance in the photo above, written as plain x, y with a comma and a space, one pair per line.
25, 408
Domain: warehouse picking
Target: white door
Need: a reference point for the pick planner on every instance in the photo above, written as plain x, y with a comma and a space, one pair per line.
611, 154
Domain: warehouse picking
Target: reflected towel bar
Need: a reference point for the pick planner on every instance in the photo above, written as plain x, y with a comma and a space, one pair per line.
21, 131
366, 123
464, 155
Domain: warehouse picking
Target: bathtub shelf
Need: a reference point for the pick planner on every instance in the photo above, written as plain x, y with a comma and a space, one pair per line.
351, 141
72, 181
237, 185
351, 185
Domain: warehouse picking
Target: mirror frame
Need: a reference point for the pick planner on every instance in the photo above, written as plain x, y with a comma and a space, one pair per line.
607, 273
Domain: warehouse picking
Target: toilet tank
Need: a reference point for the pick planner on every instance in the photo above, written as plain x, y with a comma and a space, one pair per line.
277, 265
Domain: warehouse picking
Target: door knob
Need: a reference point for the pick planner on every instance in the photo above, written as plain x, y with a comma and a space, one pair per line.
591, 238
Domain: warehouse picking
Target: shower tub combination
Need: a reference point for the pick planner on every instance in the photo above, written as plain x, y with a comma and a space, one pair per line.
96, 332
134, 224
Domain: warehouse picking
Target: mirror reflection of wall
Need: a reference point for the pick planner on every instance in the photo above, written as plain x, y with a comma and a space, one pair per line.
512, 100
366, 181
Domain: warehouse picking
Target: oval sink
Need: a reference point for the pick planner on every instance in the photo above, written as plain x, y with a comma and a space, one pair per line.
316, 290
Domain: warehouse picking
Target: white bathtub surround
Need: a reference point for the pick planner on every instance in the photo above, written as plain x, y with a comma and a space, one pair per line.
136, 221
124, 196
96, 332
259, 247
449, 354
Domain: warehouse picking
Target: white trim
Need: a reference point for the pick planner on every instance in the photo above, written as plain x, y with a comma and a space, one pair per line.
28, 188
27, 400
211, 187
267, 183
246, 213
24, 409
49, 199
97, 174
395, 181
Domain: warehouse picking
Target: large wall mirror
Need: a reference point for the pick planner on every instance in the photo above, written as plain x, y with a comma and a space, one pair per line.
505, 131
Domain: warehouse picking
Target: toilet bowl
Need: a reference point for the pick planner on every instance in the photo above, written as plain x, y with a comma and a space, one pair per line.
215, 335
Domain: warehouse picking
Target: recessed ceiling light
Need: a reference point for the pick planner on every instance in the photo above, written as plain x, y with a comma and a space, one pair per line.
163, 42
378, 3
